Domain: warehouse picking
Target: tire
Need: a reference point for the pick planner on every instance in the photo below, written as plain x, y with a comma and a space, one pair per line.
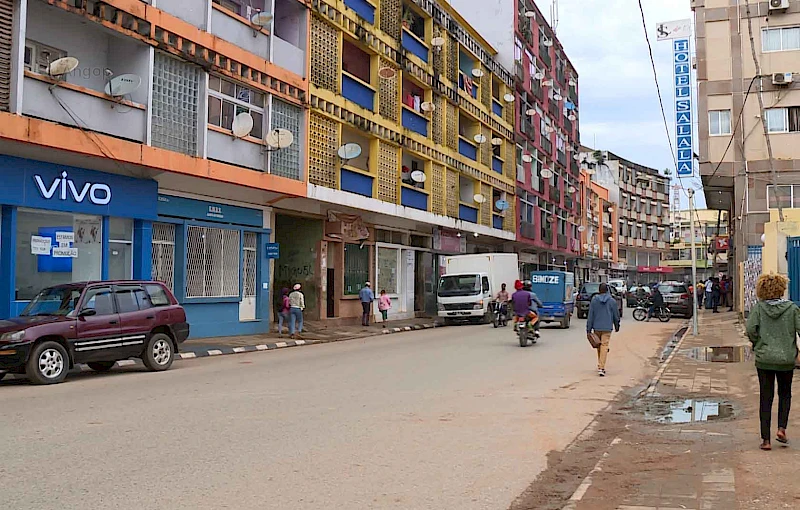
640, 314
522, 334
496, 321
102, 366
2, 375
48, 363
664, 315
448, 321
159, 353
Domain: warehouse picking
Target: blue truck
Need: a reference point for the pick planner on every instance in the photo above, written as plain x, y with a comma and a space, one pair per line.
555, 289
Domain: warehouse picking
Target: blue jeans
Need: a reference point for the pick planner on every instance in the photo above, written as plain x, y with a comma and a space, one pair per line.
295, 314
282, 316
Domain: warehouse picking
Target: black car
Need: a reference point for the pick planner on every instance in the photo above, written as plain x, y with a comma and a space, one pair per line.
635, 292
587, 292
677, 297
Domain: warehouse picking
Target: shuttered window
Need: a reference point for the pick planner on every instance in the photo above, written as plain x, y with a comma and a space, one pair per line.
6, 19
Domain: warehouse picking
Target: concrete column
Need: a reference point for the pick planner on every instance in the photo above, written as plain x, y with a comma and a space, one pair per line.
143, 250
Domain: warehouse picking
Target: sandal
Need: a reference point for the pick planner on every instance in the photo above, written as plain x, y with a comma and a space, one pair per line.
781, 436
765, 445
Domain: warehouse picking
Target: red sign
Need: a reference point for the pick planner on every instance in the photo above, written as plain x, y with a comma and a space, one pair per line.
723, 243
653, 269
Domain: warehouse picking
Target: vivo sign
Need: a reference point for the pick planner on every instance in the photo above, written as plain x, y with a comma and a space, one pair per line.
97, 193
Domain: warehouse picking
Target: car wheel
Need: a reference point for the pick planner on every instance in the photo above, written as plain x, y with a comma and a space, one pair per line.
159, 353
48, 363
2, 375
102, 366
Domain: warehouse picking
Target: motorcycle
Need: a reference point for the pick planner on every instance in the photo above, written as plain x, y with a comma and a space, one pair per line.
500, 313
662, 312
526, 330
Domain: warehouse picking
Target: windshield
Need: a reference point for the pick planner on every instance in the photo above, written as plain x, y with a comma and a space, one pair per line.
591, 288
53, 301
672, 289
459, 285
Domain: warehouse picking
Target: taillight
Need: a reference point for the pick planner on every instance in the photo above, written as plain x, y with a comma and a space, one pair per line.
684, 296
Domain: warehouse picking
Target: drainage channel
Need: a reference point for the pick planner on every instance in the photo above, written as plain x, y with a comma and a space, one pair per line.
673, 342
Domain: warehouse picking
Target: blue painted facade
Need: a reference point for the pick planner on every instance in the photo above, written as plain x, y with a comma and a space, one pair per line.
363, 8
218, 316
415, 122
50, 187
358, 93
468, 213
497, 108
412, 198
413, 45
467, 149
356, 182
497, 222
497, 165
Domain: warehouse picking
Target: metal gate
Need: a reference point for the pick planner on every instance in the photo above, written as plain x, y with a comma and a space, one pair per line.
163, 257
793, 258
247, 307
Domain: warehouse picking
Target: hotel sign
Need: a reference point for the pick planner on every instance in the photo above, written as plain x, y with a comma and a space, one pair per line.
679, 33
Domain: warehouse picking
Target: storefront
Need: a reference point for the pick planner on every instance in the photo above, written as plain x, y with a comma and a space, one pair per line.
62, 224
214, 257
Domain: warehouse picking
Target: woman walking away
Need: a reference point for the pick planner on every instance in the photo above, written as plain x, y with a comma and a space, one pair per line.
772, 327
283, 310
384, 304
297, 303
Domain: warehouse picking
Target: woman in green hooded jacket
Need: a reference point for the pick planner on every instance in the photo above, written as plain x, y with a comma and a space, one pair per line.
772, 326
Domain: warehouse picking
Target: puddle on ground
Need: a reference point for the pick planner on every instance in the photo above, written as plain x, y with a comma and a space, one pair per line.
687, 411
727, 354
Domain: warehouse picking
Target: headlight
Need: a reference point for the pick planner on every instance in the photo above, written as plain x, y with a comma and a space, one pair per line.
440, 307
478, 305
15, 336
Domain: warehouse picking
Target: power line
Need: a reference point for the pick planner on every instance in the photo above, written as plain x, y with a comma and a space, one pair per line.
735, 128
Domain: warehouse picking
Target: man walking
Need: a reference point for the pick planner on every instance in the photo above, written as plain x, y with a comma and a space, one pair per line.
297, 303
603, 316
367, 297
716, 293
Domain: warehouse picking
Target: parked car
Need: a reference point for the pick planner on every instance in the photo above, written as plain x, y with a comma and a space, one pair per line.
97, 323
632, 296
619, 284
587, 292
677, 297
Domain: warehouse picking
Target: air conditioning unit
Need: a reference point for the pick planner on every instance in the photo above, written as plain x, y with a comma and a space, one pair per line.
782, 78
778, 5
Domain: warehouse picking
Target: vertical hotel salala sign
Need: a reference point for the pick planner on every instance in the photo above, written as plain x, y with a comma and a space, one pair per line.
679, 33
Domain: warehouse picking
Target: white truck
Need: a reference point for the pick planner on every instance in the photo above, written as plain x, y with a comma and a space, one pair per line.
471, 282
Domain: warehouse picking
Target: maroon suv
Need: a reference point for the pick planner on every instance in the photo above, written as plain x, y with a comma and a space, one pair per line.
97, 323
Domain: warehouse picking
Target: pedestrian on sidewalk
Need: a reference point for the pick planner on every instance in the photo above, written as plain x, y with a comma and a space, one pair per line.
709, 293
727, 292
700, 292
367, 297
716, 294
603, 316
772, 326
283, 310
384, 304
297, 303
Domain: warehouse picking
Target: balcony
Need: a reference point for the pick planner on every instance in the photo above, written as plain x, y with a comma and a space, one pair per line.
468, 149
661, 245
497, 165
363, 8
468, 213
561, 241
466, 84
410, 197
356, 182
413, 44
289, 37
358, 92
497, 107
527, 230
649, 243
546, 144
547, 236
561, 158
51, 34
357, 76
414, 121
232, 26
555, 194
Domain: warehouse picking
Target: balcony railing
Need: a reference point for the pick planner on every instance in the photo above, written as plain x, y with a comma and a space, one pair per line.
358, 92
561, 241
363, 8
356, 182
415, 122
468, 213
497, 222
547, 235
527, 230
411, 43
546, 144
467, 149
497, 108
555, 194
415, 199
561, 157
497, 165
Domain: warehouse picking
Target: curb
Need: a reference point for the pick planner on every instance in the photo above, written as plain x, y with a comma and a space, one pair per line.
651, 388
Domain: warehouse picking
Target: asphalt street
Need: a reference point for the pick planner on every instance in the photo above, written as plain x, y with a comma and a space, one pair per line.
457, 417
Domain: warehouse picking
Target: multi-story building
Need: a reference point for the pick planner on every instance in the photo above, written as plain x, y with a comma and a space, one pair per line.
411, 155
598, 214
710, 239
134, 144
641, 196
546, 126
736, 173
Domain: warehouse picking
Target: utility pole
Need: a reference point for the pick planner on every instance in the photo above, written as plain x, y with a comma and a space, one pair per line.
690, 192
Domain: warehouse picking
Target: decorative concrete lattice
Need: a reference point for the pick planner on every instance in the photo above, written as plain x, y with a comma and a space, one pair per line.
440, 60
391, 17
452, 60
508, 112
324, 55
323, 139
508, 220
437, 189
452, 126
510, 165
452, 193
486, 90
388, 161
485, 148
437, 120
486, 207
388, 94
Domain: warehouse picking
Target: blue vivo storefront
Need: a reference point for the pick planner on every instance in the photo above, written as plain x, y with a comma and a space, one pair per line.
61, 224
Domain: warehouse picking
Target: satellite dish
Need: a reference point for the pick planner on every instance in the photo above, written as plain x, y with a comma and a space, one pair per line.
572, 117
572, 83
569, 148
479, 138
509, 98
558, 97
547, 83
477, 73
551, 219
437, 42
527, 158
596, 246
576, 157
530, 111
581, 228
547, 173
62, 66
539, 75
387, 73
571, 189
530, 14
478, 198
261, 19
123, 85
497, 141
279, 138
548, 42
418, 176
501, 205
610, 239
349, 151
242, 125
427, 106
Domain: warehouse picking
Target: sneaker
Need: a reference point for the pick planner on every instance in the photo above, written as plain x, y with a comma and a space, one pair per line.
601, 372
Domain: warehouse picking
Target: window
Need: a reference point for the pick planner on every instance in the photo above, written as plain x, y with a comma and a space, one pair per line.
163, 257
245, 9
520, 167
39, 56
783, 120
131, 299
120, 249
100, 300
779, 194
227, 99
485, 284
158, 296
286, 162
212, 262
56, 248
536, 172
780, 39
356, 268
387, 270
355, 61
526, 208
176, 88
719, 122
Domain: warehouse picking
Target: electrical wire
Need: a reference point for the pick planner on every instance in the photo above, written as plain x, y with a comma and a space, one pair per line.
735, 128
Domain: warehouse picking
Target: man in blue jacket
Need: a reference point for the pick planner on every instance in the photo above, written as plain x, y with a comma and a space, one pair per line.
603, 315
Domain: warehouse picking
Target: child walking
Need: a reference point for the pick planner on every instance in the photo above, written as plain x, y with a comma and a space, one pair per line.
384, 304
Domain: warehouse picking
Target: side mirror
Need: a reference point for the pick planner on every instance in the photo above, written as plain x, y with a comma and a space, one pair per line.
87, 312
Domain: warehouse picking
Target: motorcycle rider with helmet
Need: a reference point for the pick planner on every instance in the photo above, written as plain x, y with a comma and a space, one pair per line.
526, 307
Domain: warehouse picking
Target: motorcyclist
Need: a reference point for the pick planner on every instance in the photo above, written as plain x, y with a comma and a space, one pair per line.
525, 304
502, 299
656, 302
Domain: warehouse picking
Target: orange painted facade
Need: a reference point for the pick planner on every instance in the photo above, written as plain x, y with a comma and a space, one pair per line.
595, 204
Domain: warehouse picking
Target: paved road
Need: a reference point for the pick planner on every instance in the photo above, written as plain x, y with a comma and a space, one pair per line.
457, 417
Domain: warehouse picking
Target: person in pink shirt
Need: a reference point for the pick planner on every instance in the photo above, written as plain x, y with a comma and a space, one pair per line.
384, 304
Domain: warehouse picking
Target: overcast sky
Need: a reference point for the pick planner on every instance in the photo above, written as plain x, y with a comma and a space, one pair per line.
619, 108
